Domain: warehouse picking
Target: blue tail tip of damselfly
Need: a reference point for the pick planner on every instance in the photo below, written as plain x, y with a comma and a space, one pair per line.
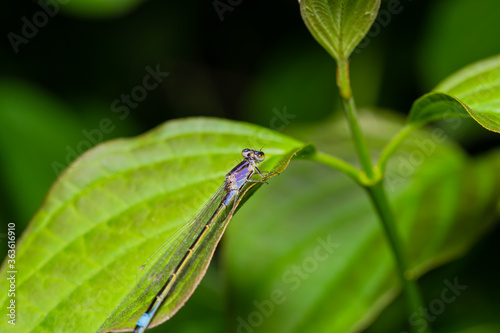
142, 323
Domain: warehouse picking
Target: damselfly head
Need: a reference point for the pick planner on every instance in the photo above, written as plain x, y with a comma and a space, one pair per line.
255, 155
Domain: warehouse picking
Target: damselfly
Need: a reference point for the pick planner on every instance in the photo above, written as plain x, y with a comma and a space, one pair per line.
216, 213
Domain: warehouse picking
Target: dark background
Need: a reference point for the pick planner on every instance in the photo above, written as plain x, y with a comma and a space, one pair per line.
260, 57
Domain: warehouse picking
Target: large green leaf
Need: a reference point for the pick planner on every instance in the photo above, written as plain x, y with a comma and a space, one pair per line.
473, 90
339, 25
319, 259
112, 208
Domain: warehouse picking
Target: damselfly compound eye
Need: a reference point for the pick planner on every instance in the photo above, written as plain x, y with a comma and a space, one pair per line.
245, 152
260, 156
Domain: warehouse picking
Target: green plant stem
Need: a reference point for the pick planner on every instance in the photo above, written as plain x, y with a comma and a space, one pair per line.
374, 186
393, 145
340, 165
380, 201
352, 118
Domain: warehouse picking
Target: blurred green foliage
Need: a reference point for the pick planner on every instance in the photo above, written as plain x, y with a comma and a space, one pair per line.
457, 33
260, 58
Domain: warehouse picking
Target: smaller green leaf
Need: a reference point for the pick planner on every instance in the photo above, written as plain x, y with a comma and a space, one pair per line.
339, 25
473, 90
436, 106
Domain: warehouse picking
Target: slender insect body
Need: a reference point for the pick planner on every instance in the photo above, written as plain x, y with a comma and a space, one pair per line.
237, 178
234, 182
